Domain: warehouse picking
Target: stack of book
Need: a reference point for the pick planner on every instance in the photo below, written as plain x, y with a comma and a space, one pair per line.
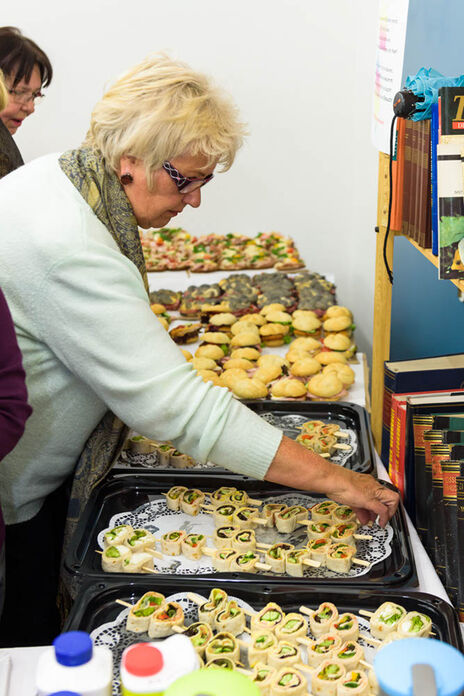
423, 447
428, 181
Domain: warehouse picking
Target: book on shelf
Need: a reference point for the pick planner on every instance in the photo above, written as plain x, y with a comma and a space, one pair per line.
451, 114
451, 470
437, 517
424, 190
450, 211
460, 544
409, 129
420, 410
449, 421
398, 177
441, 373
434, 135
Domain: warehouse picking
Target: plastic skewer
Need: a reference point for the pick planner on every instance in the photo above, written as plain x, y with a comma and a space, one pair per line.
305, 610
359, 561
366, 664
155, 554
372, 641
208, 551
306, 523
342, 446
149, 570
304, 641
254, 501
305, 668
364, 612
260, 520
123, 603
311, 563
262, 566
362, 537
263, 546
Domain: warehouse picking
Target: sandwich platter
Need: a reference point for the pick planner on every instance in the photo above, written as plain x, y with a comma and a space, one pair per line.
292, 620
138, 504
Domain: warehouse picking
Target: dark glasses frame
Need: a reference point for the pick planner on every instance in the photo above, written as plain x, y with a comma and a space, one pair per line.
184, 183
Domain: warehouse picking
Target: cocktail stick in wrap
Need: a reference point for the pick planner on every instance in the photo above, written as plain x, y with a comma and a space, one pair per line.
275, 556
319, 530
268, 618
322, 512
117, 535
294, 565
343, 513
173, 497
322, 648
140, 614
243, 517
318, 549
221, 663
112, 558
339, 557
414, 625
191, 501
224, 514
231, 619
221, 495
222, 536
321, 618
344, 532
162, 621
294, 626
258, 648
140, 539
349, 654
355, 682
208, 611
263, 676
242, 498
288, 682
326, 679
192, 546
248, 563
139, 562
385, 619
223, 559
346, 626
223, 644
283, 654
269, 512
286, 520
171, 542
244, 540
200, 634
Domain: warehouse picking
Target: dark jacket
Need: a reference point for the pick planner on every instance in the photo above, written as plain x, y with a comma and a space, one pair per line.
10, 156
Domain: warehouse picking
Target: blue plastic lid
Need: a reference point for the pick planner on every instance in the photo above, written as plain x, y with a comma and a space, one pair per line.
64, 693
73, 649
394, 662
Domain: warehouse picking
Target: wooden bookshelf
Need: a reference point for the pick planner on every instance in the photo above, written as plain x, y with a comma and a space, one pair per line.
383, 298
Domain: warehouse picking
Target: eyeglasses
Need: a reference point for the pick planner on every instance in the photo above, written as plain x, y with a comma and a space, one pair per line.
184, 183
23, 97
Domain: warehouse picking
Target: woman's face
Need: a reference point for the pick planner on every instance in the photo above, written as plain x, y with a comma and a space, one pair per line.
156, 208
17, 111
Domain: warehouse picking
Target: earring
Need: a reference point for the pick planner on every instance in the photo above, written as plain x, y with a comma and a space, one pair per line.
126, 179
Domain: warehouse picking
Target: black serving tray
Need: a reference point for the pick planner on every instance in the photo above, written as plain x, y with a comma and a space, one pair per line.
127, 492
286, 415
95, 603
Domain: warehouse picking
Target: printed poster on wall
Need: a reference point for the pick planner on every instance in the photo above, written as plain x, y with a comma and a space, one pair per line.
391, 35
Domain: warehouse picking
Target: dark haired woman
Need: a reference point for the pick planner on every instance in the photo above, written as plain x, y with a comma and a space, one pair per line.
27, 70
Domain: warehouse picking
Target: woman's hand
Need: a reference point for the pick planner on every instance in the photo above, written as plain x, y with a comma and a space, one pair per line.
300, 468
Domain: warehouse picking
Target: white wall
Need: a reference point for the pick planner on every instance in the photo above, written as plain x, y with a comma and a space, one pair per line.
302, 75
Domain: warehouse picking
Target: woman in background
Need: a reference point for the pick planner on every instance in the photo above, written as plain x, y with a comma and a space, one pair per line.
27, 70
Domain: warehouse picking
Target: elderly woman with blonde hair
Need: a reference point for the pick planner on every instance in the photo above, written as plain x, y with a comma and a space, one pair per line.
95, 355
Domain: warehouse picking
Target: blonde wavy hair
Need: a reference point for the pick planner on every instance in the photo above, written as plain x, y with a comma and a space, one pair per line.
4, 96
161, 109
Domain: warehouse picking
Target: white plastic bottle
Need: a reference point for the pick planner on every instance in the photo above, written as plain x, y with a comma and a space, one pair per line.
75, 664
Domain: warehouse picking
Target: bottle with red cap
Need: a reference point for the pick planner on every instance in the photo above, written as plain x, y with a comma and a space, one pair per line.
149, 668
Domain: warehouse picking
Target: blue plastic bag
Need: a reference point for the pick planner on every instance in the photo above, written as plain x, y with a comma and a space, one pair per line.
426, 84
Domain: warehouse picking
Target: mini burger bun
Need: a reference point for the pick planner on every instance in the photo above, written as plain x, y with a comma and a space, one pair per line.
209, 351
164, 322
288, 388
210, 376
302, 326
337, 341
268, 373
242, 326
247, 353
325, 387
271, 359
337, 311
246, 338
240, 363
249, 388
228, 377
335, 324
344, 372
216, 337
188, 356
278, 317
327, 357
157, 308
205, 364
256, 319
223, 319
273, 307
306, 343
304, 313
305, 367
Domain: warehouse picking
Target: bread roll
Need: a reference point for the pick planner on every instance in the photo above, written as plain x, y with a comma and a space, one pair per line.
305, 367
337, 341
249, 389
288, 388
209, 351
328, 357
247, 353
216, 337
325, 386
240, 363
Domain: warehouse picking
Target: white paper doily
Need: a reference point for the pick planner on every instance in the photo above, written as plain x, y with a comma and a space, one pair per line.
115, 636
158, 519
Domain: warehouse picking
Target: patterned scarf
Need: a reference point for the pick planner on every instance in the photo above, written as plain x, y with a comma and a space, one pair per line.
105, 195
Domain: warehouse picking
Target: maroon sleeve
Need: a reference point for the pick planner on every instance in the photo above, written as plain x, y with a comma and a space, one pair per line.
14, 409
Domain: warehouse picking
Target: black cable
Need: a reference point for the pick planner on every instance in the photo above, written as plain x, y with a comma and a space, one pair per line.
390, 198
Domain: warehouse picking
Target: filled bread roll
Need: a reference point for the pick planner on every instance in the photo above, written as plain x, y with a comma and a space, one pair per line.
337, 341
305, 367
171, 542
271, 359
325, 387
211, 351
249, 389
162, 621
344, 373
216, 337
322, 648
267, 373
328, 357
240, 363
173, 497
272, 307
335, 324
258, 648
248, 353
322, 618
307, 343
288, 388
140, 614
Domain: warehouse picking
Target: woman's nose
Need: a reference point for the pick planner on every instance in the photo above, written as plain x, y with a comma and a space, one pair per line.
193, 198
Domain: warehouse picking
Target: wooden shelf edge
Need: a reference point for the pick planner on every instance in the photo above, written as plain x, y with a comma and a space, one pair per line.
434, 259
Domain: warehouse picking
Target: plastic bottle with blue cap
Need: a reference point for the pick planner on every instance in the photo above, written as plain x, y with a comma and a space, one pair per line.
398, 668
75, 666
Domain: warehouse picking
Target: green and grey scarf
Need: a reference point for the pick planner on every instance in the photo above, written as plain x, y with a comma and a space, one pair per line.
103, 192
